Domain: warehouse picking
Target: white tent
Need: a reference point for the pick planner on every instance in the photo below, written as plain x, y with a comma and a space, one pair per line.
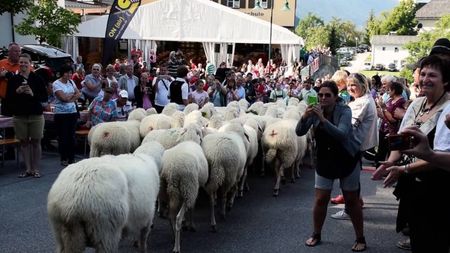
197, 21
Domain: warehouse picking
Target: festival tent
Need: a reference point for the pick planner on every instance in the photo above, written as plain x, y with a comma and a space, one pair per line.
202, 21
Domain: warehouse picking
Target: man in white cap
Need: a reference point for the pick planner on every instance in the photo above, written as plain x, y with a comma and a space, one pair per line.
124, 106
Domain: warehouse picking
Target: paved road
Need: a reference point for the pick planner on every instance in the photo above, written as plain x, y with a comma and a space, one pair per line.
357, 64
257, 223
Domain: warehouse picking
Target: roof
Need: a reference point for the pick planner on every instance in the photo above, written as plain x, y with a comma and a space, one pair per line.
435, 9
392, 39
193, 21
49, 51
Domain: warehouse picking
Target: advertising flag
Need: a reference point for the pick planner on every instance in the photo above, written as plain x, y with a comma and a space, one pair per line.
122, 11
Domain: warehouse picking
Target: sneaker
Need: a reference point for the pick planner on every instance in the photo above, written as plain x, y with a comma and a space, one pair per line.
64, 163
339, 199
341, 215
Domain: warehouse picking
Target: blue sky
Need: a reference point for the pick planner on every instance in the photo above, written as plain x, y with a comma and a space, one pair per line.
354, 10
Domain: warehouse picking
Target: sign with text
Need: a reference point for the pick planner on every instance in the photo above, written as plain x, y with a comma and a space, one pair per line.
120, 15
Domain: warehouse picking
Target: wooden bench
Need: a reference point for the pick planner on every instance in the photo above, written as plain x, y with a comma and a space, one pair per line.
6, 142
83, 134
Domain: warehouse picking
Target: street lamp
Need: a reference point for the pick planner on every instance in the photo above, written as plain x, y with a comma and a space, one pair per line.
285, 8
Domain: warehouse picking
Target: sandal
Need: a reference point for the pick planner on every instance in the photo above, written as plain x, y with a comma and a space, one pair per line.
360, 245
25, 174
314, 240
36, 174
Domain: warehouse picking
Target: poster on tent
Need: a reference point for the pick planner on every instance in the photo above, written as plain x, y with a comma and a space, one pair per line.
120, 15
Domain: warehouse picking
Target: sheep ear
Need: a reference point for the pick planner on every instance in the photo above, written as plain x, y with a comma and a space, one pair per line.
246, 136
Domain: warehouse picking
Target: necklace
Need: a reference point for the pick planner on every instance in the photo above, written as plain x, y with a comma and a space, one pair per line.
424, 110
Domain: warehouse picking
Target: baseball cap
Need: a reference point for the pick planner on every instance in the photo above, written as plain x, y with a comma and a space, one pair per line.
123, 94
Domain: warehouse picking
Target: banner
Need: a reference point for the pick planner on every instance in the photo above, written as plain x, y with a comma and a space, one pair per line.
120, 15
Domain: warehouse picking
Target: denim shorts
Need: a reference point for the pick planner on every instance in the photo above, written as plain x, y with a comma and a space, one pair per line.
348, 183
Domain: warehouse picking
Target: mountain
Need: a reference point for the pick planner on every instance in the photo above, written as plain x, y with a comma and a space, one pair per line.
354, 10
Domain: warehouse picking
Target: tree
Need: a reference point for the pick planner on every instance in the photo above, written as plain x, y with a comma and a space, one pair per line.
317, 36
333, 40
372, 27
48, 22
14, 7
309, 22
402, 19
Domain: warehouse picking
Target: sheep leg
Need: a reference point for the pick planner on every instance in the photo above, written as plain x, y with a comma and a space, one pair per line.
232, 193
223, 203
279, 174
190, 220
108, 243
263, 160
145, 232
70, 239
213, 216
177, 228
242, 183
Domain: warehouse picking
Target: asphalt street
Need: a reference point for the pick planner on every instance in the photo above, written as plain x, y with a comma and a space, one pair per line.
257, 223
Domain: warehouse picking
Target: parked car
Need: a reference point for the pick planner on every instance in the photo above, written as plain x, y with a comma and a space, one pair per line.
391, 67
344, 63
379, 67
367, 66
48, 57
364, 48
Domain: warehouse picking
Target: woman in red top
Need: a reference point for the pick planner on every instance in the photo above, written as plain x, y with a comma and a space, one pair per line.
78, 77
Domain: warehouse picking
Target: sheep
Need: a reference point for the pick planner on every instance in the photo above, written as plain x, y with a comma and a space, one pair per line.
281, 146
256, 108
153, 122
226, 156
184, 171
195, 117
190, 108
177, 119
98, 200
169, 109
115, 138
153, 149
208, 110
110, 138
168, 138
137, 114
151, 111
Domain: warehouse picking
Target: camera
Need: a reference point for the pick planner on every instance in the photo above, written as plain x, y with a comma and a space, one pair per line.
401, 141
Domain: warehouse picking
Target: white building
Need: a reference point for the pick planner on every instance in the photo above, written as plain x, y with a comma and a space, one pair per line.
388, 49
430, 13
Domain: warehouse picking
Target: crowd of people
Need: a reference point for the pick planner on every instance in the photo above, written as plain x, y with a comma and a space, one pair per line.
351, 115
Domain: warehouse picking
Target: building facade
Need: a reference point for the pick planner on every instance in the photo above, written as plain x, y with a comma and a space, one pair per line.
387, 49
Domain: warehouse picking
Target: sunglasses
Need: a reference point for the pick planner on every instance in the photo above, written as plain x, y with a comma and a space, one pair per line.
327, 95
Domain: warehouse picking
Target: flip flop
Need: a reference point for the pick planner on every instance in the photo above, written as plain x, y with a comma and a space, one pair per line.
361, 242
36, 175
314, 240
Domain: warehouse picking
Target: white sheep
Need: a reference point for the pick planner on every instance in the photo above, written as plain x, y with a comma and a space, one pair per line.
153, 122
110, 138
208, 110
151, 111
226, 157
97, 201
281, 146
169, 109
184, 171
190, 108
168, 138
137, 114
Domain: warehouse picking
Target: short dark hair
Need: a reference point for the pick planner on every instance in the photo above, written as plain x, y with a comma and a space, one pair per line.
65, 69
397, 88
330, 85
182, 71
25, 55
439, 63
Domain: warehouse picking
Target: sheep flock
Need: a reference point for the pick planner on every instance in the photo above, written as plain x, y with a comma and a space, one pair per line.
157, 163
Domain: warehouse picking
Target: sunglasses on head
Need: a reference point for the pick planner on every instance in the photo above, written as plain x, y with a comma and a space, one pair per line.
327, 95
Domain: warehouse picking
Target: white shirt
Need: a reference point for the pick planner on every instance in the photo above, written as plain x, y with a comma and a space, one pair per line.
364, 121
184, 92
442, 137
162, 92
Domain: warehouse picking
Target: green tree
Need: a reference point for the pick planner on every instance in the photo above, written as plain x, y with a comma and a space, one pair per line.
14, 7
402, 19
317, 36
48, 22
423, 45
309, 22
333, 40
372, 27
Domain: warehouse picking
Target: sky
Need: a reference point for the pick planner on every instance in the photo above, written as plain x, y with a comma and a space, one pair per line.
354, 10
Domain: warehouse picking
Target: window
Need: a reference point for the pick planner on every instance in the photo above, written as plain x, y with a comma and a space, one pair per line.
265, 4
396, 49
383, 48
235, 4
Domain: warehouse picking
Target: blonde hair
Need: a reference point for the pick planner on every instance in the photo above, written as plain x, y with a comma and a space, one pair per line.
361, 80
339, 77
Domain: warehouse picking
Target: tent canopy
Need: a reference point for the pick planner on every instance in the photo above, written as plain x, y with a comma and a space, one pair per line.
194, 21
